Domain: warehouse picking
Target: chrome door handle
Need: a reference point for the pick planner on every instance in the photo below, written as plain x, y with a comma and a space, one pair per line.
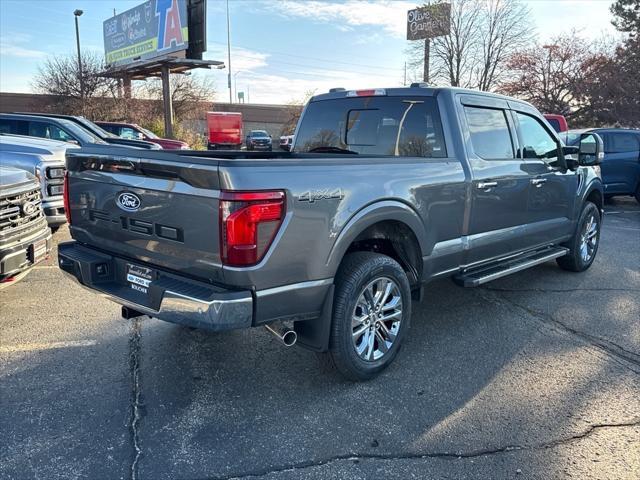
538, 182
485, 185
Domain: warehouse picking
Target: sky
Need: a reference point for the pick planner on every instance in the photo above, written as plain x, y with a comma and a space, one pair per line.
280, 49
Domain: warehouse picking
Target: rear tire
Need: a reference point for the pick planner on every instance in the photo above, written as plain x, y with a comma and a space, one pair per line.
583, 246
371, 314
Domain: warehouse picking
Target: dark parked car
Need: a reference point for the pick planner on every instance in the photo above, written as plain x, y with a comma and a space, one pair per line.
48, 127
131, 131
384, 191
25, 238
99, 131
259, 140
621, 163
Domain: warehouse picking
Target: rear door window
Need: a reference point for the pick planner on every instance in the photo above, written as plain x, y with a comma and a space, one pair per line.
373, 126
490, 135
622, 143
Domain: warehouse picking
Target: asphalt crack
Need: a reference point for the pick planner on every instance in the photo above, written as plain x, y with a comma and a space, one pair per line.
621, 355
302, 465
134, 419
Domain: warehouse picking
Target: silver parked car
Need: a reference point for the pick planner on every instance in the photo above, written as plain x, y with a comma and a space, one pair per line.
46, 160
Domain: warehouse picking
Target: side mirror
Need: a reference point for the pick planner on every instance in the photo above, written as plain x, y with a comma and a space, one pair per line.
591, 150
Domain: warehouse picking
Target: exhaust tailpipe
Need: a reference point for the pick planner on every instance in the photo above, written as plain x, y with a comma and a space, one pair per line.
287, 336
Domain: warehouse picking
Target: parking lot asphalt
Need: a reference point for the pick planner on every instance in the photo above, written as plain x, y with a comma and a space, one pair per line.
536, 375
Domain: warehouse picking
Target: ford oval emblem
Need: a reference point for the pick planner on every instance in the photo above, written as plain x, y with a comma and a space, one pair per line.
29, 208
128, 201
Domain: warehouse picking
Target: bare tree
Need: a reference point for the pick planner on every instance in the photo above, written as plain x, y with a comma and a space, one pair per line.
503, 31
59, 76
452, 59
191, 95
293, 112
483, 34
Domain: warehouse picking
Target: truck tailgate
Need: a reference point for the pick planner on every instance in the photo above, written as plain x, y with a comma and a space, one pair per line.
162, 209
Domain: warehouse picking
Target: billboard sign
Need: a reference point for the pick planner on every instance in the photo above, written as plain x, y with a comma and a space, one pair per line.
152, 29
429, 21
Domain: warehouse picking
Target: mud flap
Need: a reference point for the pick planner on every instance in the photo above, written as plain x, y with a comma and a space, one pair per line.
314, 334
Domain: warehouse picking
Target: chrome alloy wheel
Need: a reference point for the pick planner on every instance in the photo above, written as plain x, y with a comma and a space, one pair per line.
376, 318
589, 239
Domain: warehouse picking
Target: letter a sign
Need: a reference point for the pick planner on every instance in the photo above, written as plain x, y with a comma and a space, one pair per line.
170, 25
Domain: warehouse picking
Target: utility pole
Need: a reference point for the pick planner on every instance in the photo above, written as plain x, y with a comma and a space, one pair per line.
76, 14
426, 61
167, 103
229, 55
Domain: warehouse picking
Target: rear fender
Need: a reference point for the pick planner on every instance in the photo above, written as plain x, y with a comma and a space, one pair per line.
371, 214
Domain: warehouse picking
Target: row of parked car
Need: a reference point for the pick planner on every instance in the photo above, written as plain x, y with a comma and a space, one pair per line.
32, 171
80, 131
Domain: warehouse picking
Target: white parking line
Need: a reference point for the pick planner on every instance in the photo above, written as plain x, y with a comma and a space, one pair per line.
31, 347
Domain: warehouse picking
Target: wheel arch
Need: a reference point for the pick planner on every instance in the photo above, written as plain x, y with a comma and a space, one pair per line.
389, 227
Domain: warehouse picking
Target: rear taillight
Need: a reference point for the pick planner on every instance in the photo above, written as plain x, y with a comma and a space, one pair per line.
249, 222
65, 196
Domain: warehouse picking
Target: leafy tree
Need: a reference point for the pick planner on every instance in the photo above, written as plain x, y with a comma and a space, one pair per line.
554, 77
626, 16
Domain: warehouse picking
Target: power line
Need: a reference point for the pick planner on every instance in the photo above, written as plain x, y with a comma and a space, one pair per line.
375, 67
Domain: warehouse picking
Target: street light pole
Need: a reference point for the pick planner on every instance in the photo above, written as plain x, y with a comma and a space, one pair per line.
76, 14
229, 55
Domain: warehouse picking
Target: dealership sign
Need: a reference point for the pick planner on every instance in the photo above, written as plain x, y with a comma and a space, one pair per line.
429, 21
153, 29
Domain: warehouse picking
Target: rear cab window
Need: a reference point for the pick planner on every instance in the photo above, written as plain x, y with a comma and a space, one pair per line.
490, 134
388, 126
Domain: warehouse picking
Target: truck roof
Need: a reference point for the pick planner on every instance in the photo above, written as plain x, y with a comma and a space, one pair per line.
415, 90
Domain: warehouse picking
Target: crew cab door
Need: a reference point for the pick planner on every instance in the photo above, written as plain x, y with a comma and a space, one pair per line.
500, 181
621, 163
552, 195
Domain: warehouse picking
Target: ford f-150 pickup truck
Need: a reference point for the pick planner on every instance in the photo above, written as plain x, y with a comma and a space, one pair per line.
384, 190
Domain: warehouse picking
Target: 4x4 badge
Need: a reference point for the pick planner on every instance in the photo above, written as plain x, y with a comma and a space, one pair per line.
313, 196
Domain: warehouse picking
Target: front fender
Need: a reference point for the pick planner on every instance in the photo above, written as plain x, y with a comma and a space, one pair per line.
386, 210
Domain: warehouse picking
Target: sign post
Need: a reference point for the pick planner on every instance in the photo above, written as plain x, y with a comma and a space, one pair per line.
428, 22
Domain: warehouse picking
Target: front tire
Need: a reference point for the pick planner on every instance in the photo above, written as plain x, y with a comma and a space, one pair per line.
371, 314
583, 246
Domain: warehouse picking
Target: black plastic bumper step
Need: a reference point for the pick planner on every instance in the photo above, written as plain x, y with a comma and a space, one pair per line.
473, 278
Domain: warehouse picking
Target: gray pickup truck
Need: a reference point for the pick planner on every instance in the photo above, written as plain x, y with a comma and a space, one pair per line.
384, 190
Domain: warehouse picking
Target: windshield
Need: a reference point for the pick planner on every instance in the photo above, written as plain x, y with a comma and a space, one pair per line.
572, 139
398, 126
148, 133
84, 135
259, 134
